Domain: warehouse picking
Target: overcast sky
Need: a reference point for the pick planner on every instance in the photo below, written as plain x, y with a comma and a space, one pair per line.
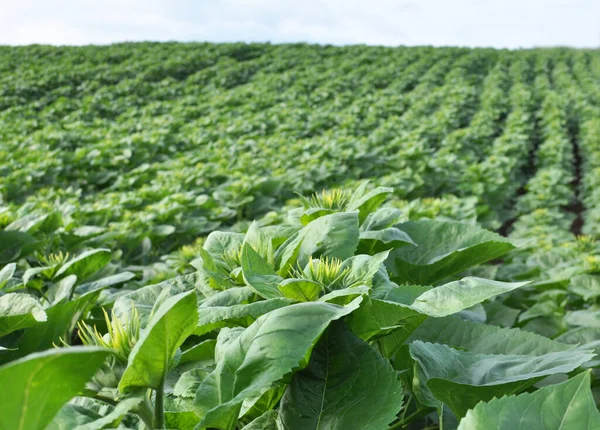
498, 23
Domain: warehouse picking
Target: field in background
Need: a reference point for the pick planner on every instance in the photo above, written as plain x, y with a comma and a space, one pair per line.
144, 149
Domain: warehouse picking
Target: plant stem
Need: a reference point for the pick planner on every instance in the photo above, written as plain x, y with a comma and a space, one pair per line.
405, 409
405, 422
159, 407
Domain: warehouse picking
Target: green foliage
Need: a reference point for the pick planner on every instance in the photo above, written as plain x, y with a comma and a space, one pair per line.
27, 404
293, 236
569, 405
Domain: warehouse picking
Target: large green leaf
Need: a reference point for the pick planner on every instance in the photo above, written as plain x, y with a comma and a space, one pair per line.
232, 307
455, 296
34, 222
444, 248
85, 264
102, 283
372, 241
587, 286
15, 244
377, 232
566, 406
480, 338
404, 308
584, 318
460, 379
375, 318
362, 268
250, 361
584, 338
6, 274
267, 421
366, 202
499, 314
300, 290
347, 384
60, 323
19, 311
334, 235
145, 298
78, 417
151, 356
219, 243
36, 387
258, 275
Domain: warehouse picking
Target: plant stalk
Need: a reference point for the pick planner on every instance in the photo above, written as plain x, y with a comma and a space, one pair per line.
159, 406
409, 419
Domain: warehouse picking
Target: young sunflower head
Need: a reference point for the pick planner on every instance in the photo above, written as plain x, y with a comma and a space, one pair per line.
121, 336
329, 199
233, 257
586, 244
55, 258
325, 270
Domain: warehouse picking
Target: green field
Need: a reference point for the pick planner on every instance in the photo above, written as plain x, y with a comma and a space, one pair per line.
199, 236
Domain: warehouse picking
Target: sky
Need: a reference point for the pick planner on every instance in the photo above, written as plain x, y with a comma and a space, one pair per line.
496, 23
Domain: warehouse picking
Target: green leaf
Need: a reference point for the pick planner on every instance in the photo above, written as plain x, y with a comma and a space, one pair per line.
444, 248
258, 275
301, 290
151, 356
102, 283
145, 298
30, 273
334, 235
59, 325
19, 311
367, 202
203, 351
406, 307
74, 417
267, 421
460, 379
586, 286
344, 296
224, 309
6, 274
566, 406
250, 361
28, 403
584, 318
347, 384
63, 289
189, 381
79, 411
33, 222
375, 318
256, 406
378, 234
312, 214
380, 240
500, 314
362, 269
219, 243
480, 338
181, 420
455, 296
85, 264
15, 244
584, 337
382, 219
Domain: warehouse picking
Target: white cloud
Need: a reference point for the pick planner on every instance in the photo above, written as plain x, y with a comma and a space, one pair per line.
507, 23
